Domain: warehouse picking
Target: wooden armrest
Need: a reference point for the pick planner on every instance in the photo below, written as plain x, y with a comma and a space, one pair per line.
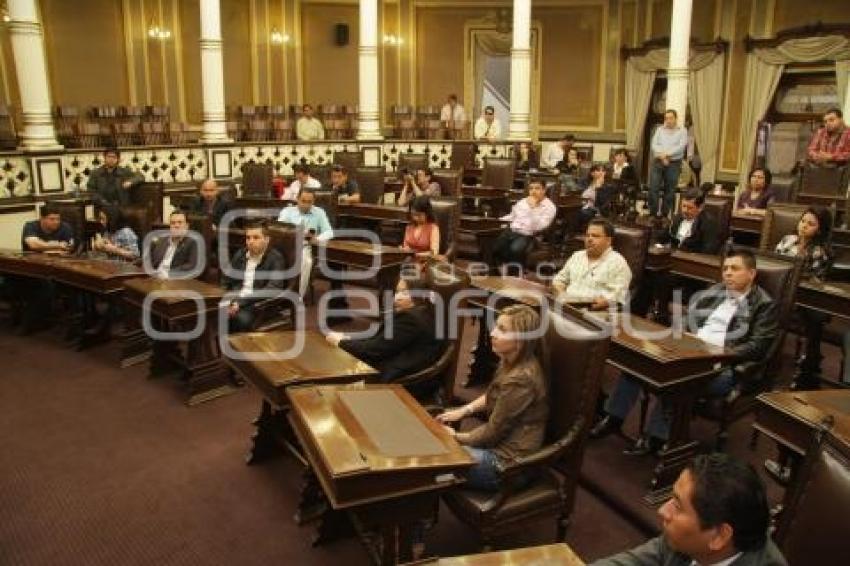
544, 456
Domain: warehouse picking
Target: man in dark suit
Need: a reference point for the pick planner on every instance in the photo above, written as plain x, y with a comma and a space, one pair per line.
177, 254
257, 266
737, 314
110, 183
210, 202
717, 515
692, 230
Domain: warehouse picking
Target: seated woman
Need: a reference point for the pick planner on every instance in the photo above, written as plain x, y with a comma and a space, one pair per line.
411, 346
755, 199
116, 239
515, 404
527, 218
569, 168
810, 243
422, 235
596, 196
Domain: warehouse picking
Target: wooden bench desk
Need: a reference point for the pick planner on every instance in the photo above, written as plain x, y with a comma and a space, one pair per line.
545, 555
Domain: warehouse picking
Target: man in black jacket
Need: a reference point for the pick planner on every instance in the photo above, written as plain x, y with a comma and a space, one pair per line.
176, 255
735, 313
256, 266
210, 202
110, 183
692, 230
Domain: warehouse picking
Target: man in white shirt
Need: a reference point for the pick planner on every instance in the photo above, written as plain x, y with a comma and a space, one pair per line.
256, 266
316, 226
735, 313
308, 127
452, 114
487, 127
177, 254
598, 275
556, 152
669, 143
302, 180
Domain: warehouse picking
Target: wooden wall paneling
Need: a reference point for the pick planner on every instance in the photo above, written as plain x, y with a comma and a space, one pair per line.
796, 13
238, 68
329, 71
190, 57
739, 13
439, 41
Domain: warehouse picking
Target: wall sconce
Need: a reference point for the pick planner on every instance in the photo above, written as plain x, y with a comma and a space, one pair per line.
279, 38
394, 40
160, 33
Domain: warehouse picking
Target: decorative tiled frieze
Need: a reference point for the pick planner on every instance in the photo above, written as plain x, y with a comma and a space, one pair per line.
283, 157
15, 176
170, 165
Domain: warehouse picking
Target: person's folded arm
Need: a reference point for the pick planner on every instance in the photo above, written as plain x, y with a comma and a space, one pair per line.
515, 398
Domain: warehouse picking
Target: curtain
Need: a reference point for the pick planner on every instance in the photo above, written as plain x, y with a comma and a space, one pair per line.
638, 94
764, 68
492, 44
842, 76
705, 96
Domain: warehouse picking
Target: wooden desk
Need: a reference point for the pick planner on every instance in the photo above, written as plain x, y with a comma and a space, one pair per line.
207, 377
701, 267
792, 418
378, 212
830, 297
476, 235
546, 555
362, 256
318, 362
489, 198
387, 479
747, 223
676, 367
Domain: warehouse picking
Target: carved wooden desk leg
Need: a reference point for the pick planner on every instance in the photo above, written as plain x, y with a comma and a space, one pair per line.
207, 375
264, 443
679, 450
332, 526
135, 345
312, 503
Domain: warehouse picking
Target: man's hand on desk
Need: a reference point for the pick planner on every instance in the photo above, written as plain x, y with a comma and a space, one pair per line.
335, 338
233, 310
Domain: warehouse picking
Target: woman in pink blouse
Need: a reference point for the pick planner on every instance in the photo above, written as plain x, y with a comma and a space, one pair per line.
422, 235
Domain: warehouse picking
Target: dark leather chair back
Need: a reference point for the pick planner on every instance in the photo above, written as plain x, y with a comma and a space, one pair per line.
632, 241
257, 180
74, 213
810, 532
202, 224
779, 275
138, 220
412, 161
322, 173
721, 209
327, 200
284, 238
463, 155
371, 181
351, 160
822, 185
781, 219
498, 172
450, 181
447, 212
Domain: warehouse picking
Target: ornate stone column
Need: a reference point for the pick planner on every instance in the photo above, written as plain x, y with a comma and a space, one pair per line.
212, 74
369, 126
27, 40
520, 120
677, 67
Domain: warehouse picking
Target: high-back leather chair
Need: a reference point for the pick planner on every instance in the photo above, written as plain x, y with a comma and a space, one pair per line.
322, 173
74, 213
821, 185
450, 181
632, 241
498, 172
371, 182
447, 213
779, 277
810, 531
412, 161
351, 160
148, 196
780, 219
257, 180
463, 155
576, 351
721, 209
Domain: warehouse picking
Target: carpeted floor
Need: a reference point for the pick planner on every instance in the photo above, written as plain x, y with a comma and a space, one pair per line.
105, 466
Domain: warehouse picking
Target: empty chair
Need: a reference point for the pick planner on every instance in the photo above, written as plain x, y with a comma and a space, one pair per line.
434, 129
176, 133
125, 133
8, 136
88, 135
282, 130
153, 133
412, 161
257, 130
498, 172
406, 128
278, 111
371, 181
257, 180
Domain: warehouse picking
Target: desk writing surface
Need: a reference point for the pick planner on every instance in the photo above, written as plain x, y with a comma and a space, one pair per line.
144, 286
812, 407
831, 297
374, 211
545, 555
515, 288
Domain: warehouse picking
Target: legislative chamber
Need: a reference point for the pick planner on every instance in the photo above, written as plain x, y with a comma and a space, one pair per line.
425, 282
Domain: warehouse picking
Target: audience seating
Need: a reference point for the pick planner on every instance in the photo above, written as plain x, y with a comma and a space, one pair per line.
821, 185
721, 209
371, 182
351, 160
257, 180
450, 181
463, 156
576, 350
447, 213
498, 172
412, 161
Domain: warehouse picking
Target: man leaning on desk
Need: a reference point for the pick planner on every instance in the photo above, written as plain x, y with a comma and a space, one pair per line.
110, 183
737, 314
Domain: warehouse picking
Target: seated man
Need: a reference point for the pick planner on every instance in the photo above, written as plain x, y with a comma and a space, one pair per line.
737, 314
48, 233
692, 230
528, 217
256, 264
557, 151
210, 202
176, 255
717, 514
315, 223
308, 127
597, 275
302, 179
830, 145
488, 127
409, 345
346, 188
110, 183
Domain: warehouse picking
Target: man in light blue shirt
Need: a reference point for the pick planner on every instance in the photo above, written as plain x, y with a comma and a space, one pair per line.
315, 222
668, 148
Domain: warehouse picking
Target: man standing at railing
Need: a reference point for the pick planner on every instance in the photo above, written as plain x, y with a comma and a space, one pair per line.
830, 144
668, 148
110, 184
308, 127
452, 114
487, 127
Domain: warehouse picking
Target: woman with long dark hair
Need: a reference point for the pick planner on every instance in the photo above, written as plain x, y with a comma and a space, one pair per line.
422, 235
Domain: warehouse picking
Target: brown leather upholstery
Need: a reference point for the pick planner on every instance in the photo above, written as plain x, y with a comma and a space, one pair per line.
257, 180
371, 181
463, 155
351, 160
813, 528
412, 161
450, 181
498, 172
447, 212
149, 196
780, 219
632, 241
821, 185
721, 209
322, 173
576, 351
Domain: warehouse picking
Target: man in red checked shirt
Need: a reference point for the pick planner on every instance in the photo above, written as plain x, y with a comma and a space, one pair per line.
830, 145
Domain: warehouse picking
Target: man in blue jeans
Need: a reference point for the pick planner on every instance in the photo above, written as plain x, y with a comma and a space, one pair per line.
735, 313
668, 148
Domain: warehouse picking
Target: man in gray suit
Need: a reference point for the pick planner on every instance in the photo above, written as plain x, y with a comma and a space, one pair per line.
716, 516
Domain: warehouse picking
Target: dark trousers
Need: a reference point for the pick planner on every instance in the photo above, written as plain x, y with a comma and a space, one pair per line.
243, 321
663, 180
511, 247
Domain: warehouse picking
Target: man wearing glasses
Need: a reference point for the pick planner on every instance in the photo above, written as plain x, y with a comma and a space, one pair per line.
487, 127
